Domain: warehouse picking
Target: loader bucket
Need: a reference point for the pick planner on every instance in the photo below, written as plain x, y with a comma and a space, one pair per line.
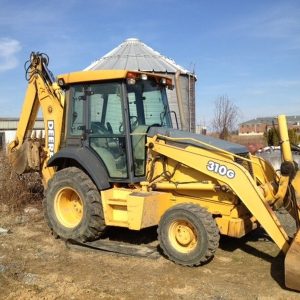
292, 264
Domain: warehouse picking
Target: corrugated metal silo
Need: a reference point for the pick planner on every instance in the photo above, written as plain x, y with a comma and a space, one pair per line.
132, 54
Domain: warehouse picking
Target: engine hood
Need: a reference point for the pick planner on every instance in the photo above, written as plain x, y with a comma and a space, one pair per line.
174, 133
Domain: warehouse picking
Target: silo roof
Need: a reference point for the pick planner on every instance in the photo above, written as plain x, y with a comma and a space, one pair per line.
132, 54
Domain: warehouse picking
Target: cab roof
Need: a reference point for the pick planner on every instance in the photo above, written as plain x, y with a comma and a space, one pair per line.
85, 76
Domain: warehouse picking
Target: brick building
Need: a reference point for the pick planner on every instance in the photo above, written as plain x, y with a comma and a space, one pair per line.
259, 126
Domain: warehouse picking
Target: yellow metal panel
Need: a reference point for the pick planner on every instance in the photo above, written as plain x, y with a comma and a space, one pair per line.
114, 203
185, 186
144, 209
296, 186
223, 224
239, 227
119, 213
210, 202
132, 208
263, 170
84, 76
296, 183
235, 227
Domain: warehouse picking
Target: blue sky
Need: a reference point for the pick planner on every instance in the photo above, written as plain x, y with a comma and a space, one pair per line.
247, 50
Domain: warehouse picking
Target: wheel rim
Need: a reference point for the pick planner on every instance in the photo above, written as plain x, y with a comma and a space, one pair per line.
183, 236
68, 207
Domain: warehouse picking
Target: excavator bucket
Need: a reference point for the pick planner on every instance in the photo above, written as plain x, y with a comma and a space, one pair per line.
292, 265
26, 158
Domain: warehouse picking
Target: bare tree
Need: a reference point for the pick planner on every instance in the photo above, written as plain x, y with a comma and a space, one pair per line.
225, 116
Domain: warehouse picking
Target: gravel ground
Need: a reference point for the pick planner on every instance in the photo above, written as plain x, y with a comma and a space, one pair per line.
34, 265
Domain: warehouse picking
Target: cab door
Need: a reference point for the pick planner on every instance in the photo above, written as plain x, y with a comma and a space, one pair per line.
97, 122
106, 128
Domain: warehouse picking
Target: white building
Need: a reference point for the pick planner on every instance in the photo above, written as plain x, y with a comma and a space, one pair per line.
8, 128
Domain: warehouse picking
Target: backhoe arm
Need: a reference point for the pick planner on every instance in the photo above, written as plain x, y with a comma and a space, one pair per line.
28, 153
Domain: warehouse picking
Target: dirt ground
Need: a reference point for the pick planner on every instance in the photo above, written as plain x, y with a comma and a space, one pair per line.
35, 265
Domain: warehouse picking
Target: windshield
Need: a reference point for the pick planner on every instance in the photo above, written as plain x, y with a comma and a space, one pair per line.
148, 104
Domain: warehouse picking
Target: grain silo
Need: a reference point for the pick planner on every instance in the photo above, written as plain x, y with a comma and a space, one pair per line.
134, 55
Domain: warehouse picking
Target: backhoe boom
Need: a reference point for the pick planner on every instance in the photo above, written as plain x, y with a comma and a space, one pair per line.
28, 153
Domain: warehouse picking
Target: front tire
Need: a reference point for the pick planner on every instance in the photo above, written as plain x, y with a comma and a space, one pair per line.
72, 206
188, 234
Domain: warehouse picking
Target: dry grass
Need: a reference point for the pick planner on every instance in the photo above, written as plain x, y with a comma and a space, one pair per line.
16, 192
257, 140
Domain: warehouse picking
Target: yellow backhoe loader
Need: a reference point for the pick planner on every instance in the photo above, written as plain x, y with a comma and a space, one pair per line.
111, 158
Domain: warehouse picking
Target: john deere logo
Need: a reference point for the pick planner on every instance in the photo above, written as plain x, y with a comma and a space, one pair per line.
51, 137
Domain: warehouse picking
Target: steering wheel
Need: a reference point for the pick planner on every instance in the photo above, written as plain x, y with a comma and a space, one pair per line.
97, 127
109, 128
133, 124
155, 125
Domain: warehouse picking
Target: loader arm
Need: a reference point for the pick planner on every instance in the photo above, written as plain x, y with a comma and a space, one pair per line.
28, 153
238, 179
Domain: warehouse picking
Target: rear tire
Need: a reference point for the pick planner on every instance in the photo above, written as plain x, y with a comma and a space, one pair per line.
73, 207
188, 234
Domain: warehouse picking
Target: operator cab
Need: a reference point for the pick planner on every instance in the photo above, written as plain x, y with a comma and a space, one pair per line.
112, 118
